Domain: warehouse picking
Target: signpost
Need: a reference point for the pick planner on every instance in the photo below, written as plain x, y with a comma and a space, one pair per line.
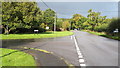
115, 32
47, 27
36, 31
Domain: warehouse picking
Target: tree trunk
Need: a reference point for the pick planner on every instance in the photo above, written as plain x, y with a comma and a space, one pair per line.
93, 27
6, 31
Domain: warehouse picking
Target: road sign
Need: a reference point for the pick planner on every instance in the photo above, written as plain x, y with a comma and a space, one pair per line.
47, 27
116, 31
36, 31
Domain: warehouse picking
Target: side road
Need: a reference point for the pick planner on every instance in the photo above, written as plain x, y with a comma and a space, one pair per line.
46, 59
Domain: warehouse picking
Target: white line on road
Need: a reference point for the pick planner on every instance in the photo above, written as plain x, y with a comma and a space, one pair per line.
82, 64
71, 37
80, 56
81, 60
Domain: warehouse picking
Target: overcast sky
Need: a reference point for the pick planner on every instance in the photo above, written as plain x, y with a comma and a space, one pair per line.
65, 8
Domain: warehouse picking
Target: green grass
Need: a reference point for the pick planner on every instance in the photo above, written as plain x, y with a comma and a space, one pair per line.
32, 36
16, 58
102, 34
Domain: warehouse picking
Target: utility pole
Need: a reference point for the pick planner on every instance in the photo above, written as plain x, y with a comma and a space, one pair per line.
55, 22
55, 18
70, 25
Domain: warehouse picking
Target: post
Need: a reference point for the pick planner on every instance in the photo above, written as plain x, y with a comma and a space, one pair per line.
7, 29
55, 22
70, 26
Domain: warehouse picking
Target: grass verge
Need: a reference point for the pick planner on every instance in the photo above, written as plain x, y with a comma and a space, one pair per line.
11, 57
102, 34
41, 35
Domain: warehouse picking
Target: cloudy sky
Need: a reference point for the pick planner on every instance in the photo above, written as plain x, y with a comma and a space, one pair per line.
65, 8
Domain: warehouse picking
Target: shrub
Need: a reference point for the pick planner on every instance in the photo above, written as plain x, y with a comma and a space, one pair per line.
114, 24
101, 28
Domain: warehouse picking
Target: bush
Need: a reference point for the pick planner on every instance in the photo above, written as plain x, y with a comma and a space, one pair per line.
41, 30
88, 28
101, 28
114, 24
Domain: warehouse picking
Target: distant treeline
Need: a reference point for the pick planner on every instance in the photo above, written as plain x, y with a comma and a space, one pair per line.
93, 22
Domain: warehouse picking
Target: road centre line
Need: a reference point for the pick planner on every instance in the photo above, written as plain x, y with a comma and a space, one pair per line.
80, 56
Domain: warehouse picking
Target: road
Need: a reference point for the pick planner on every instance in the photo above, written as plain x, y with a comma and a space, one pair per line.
96, 50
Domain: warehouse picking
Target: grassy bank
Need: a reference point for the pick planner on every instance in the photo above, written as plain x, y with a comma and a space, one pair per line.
11, 57
32, 36
102, 34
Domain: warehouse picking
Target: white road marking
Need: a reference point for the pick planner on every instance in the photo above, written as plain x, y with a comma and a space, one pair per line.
81, 60
78, 52
71, 37
82, 64
80, 56
77, 49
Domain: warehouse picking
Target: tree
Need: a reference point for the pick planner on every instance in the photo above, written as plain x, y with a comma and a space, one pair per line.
66, 25
20, 15
114, 24
49, 16
77, 21
59, 23
93, 18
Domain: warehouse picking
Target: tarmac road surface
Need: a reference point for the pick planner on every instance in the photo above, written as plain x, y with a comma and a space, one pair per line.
96, 50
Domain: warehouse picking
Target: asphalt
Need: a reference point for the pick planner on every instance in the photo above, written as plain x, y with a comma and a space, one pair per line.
63, 47
46, 59
97, 50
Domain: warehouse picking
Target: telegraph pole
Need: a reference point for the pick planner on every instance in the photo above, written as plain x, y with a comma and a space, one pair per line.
55, 18
70, 25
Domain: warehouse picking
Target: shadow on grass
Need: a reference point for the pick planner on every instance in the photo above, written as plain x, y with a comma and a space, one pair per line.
104, 35
12, 53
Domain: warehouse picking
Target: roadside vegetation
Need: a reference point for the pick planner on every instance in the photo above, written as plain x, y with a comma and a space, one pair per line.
33, 36
103, 34
96, 24
11, 57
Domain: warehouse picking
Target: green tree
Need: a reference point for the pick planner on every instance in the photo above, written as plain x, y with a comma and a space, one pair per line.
77, 21
49, 18
114, 24
66, 25
93, 18
20, 15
